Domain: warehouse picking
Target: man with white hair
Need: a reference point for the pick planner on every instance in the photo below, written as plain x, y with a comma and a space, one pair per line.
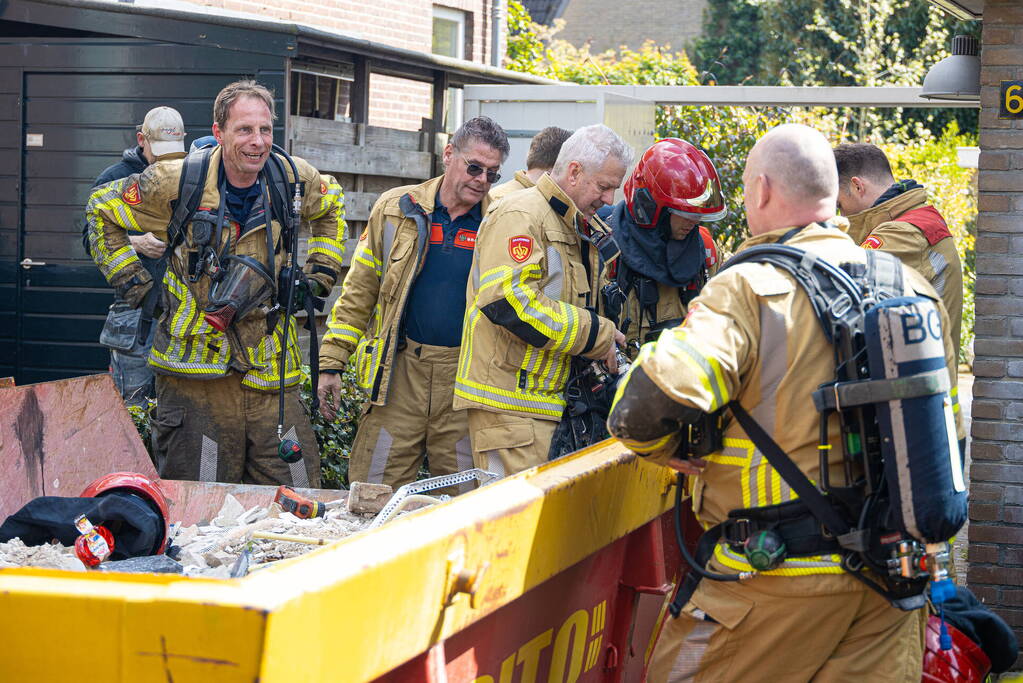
532, 298
751, 344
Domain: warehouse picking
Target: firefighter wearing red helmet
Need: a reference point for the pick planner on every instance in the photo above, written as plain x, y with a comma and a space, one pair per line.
667, 254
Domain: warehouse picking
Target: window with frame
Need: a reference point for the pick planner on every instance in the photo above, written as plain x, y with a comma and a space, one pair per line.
449, 39
321, 91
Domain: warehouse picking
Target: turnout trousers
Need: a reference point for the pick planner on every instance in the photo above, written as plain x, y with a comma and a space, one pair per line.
416, 421
505, 443
827, 628
218, 430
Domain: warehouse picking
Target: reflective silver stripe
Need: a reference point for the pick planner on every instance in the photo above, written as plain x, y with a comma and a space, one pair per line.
381, 453
390, 230
463, 461
774, 365
299, 475
687, 664
205, 369
495, 464
208, 459
527, 302
291, 378
476, 276
111, 263
939, 263
719, 399
554, 405
555, 274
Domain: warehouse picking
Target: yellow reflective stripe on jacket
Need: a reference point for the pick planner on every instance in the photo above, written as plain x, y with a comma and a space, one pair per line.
954, 394
118, 260
336, 330
559, 324
801, 566
265, 358
509, 400
535, 402
367, 359
108, 198
364, 256
706, 368
327, 246
332, 196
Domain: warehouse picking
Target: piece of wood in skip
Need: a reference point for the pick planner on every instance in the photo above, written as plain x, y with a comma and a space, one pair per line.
368, 499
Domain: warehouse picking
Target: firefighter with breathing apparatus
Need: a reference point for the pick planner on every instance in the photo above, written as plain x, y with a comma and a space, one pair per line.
226, 351
666, 256
810, 393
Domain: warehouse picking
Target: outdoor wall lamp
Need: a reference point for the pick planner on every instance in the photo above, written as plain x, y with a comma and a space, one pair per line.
956, 77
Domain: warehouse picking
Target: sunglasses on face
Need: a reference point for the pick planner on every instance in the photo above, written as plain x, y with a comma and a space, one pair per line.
475, 169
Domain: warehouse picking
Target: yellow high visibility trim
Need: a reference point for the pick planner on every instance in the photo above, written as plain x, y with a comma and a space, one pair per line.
327, 246
744, 461
502, 398
775, 487
375, 264
734, 460
646, 447
342, 331
707, 368
333, 196
559, 324
802, 566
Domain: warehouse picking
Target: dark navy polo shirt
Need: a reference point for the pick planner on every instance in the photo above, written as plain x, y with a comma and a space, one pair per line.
436, 304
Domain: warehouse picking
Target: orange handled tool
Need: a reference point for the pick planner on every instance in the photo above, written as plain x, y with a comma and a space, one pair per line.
300, 506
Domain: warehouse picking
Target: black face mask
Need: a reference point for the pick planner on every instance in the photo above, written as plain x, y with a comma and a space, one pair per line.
651, 251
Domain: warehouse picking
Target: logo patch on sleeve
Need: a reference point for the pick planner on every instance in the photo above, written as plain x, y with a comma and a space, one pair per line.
520, 247
873, 242
323, 187
132, 195
365, 232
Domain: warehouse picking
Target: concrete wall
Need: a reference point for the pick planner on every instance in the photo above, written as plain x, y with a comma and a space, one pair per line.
607, 24
996, 493
394, 102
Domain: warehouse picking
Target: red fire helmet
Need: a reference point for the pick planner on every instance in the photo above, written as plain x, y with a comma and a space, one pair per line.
140, 485
674, 175
964, 663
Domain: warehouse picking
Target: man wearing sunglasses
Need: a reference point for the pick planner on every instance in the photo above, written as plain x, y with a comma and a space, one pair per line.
399, 318
667, 254
532, 301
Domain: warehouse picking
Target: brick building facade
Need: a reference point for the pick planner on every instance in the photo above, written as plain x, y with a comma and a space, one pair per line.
407, 24
996, 493
608, 24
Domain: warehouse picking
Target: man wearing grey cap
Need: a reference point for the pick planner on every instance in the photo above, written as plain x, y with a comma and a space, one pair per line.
128, 332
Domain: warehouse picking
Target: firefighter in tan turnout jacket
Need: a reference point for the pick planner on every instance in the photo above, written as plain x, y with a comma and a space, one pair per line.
216, 412
752, 337
399, 317
898, 218
532, 301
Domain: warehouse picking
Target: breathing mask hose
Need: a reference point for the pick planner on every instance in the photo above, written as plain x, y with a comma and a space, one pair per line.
296, 211
690, 560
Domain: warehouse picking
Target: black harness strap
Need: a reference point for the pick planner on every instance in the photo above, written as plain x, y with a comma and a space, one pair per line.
816, 501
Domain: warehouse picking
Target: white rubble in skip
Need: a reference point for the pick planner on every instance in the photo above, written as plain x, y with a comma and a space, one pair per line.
211, 551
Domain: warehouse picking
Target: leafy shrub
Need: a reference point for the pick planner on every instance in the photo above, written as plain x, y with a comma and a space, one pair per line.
728, 133
335, 437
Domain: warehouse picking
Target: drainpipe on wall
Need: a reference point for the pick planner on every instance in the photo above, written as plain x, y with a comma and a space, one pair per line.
497, 14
